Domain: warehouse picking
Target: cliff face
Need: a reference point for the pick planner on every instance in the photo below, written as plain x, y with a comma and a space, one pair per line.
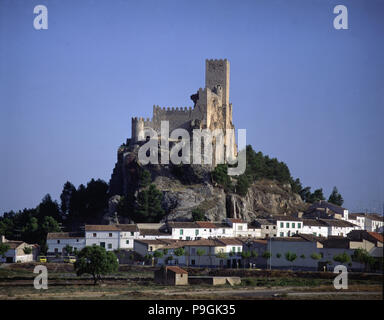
187, 187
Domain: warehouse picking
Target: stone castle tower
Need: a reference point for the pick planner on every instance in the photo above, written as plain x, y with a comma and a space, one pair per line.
212, 109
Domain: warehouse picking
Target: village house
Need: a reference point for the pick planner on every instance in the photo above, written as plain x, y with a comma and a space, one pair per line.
57, 241
302, 246
338, 227
315, 227
17, 251
171, 275
111, 237
370, 241
288, 226
149, 246
242, 228
326, 210
267, 227
199, 230
214, 252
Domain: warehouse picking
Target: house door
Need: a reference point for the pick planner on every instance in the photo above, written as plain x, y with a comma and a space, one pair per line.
228, 263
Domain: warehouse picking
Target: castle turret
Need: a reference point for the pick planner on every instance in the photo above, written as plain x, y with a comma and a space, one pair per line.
217, 73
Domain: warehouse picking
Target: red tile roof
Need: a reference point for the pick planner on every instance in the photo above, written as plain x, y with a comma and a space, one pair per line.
206, 224
176, 269
377, 236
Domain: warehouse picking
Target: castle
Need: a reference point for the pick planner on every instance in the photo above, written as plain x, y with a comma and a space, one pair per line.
212, 109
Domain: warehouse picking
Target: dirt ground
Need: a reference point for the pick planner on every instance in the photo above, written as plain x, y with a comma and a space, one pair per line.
136, 282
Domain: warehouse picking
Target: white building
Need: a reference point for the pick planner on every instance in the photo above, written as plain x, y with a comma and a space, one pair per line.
16, 251
288, 226
199, 230
111, 237
315, 227
57, 241
339, 227
243, 229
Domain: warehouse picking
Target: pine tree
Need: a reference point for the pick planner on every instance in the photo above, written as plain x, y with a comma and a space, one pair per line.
335, 197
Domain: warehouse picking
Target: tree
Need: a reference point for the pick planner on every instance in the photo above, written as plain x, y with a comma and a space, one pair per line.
221, 177
278, 255
242, 185
266, 255
246, 255
290, 256
342, 258
254, 254
144, 178
4, 247
149, 205
316, 256
302, 256
68, 249
27, 250
48, 208
198, 214
335, 197
221, 255
66, 197
200, 253
179, 252
158, 254
317, 195
362, 256
96, 261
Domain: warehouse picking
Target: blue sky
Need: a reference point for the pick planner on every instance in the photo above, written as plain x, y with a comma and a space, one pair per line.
308, 94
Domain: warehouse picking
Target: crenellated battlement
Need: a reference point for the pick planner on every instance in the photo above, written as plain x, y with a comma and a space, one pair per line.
157, 108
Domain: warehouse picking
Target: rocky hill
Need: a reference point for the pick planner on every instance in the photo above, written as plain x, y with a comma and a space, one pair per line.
187, 187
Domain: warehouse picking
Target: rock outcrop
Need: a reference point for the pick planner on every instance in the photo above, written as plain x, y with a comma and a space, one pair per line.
188, 187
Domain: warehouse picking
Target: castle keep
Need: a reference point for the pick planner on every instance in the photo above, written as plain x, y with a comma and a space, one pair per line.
212, 109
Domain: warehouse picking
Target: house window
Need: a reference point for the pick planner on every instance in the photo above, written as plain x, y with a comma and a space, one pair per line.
127, 242
109, 245
77, 240
193, 251
299, 225
223, 230
281, 234
210, 230
102, 244
58, 241
267, 227
94, 235
287, 224
193, 262
150, 248
56, 250
240, 228
233, 249
181, 238
110, 235
188, 238
197, 232
293, 225
132, 234
238, 249
274, 227
181, 232
281, 225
